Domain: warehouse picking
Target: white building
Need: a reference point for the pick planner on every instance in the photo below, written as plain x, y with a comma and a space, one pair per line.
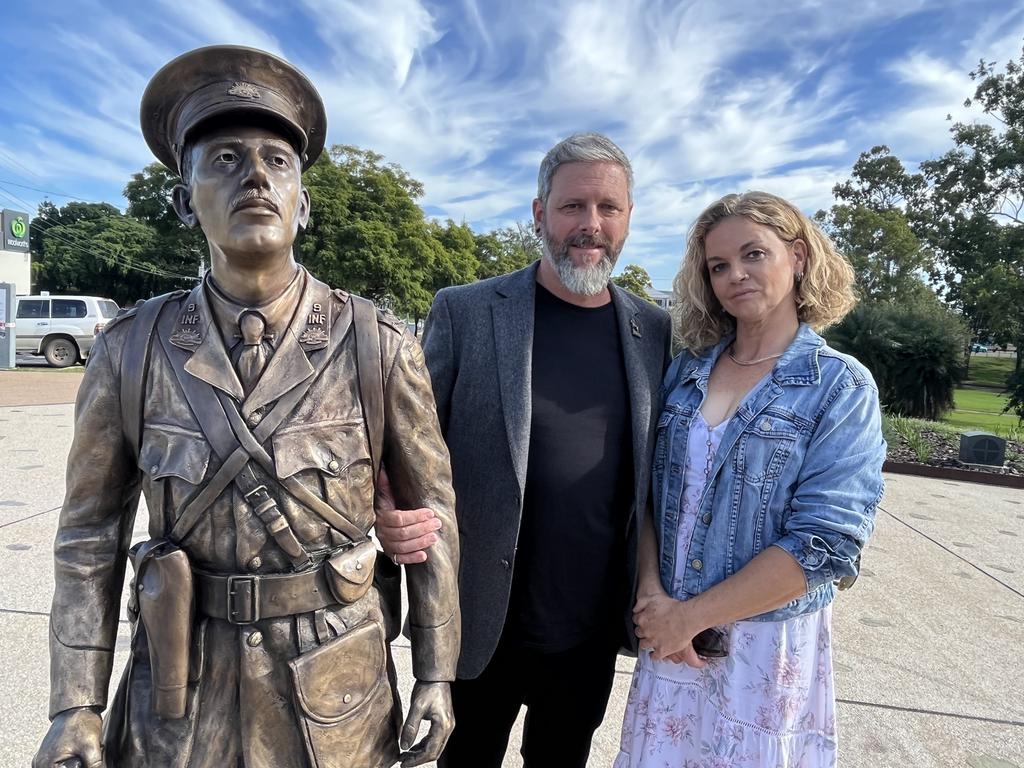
663, 299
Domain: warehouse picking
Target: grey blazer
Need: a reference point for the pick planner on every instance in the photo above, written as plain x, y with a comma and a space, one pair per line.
478, 342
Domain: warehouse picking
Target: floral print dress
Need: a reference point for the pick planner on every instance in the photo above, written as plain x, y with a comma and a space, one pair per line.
770, 703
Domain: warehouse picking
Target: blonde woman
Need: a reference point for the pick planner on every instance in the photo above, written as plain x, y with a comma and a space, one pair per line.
766, 474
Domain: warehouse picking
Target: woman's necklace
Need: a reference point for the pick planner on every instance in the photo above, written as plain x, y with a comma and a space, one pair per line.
752, 362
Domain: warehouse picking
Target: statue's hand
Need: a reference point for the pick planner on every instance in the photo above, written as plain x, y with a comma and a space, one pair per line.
433, 702
404, 534
73, 741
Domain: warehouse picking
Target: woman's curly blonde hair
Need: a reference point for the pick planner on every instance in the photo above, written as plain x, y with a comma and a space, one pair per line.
824, 296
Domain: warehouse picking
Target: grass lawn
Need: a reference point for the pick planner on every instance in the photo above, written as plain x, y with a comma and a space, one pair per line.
981, 410
986, 371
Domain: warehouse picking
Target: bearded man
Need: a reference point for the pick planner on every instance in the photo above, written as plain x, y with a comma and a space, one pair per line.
545, 380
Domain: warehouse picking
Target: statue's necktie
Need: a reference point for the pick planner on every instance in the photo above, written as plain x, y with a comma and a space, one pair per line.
254, 354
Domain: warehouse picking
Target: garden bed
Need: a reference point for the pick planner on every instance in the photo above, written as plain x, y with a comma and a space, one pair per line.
937, 445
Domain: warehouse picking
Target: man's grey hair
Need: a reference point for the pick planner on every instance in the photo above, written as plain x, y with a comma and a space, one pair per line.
581, 148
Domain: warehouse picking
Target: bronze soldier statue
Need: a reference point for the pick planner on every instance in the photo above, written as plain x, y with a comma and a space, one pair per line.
253, 412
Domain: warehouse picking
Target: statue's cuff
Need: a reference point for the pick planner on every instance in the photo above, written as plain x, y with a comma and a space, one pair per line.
435, 651
78, 676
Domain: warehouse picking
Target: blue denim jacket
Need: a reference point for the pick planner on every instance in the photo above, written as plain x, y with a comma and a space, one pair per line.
799, 467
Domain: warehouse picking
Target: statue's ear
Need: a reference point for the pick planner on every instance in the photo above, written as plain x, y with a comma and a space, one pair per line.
181, 198
304, 204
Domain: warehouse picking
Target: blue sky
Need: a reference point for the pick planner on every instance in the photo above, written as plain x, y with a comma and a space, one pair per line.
705, 97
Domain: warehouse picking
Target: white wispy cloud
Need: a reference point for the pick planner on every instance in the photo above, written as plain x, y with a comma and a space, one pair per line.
706, 97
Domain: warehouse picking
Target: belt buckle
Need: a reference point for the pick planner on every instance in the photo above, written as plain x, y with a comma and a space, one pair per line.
243, 599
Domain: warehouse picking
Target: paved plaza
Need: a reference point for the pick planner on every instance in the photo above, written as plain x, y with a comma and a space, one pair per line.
929, 645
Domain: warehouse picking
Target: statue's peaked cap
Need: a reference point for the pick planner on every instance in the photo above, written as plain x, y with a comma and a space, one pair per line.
221, 80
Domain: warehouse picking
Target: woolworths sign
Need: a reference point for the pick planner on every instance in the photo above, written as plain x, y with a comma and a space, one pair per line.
15, 224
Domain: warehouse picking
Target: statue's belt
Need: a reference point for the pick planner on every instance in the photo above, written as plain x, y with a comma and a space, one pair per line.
244, 599
341, 579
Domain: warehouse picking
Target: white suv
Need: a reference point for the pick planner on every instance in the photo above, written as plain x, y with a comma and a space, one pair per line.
62, 328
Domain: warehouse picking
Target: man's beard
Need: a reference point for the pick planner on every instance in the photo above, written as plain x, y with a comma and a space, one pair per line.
588, 279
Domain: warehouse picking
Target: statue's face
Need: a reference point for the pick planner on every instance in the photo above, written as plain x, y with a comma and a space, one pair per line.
245, 191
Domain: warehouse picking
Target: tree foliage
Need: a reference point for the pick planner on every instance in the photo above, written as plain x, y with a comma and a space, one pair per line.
94, 249
635, 279
915, 353
505, 250
973, 214
870, 226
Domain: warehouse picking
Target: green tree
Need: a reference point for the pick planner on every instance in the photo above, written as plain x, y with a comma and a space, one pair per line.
870, 225
367, 233
92, 248
635, 279
505, 250
976, 206
914, 351
176, 247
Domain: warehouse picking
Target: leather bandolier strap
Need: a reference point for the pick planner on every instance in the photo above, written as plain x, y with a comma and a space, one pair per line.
371, 376
135, 367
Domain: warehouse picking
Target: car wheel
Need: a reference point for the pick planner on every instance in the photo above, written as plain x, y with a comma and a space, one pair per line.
60, 353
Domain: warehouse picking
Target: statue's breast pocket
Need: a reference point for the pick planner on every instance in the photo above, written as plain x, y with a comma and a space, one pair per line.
174, 461
332, 459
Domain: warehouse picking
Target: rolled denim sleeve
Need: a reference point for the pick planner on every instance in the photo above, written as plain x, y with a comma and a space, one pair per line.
832, 511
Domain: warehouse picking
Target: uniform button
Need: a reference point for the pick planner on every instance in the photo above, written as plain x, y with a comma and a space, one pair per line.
697, 565
506, 563
254, 418
153, 469
333, 465
707, 518
255, 563
255, 639
347, 698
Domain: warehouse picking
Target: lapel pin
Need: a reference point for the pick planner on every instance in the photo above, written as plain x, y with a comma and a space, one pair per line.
634, 326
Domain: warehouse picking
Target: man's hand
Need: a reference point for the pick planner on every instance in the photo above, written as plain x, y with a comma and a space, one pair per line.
404, 534
663, 627
433, 702
73, 741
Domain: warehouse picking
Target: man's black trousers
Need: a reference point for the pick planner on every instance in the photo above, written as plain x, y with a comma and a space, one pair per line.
565, 694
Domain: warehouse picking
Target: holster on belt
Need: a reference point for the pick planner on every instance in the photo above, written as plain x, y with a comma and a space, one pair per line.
166, 600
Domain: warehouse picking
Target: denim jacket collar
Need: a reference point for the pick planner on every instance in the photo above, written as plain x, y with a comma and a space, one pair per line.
798, 364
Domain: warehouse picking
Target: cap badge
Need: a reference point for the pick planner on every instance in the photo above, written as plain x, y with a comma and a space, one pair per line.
244, 91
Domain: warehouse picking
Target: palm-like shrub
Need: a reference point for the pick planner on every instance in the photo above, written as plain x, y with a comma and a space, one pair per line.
914, 351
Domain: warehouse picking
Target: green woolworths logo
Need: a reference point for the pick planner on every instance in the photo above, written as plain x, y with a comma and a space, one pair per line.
18, 227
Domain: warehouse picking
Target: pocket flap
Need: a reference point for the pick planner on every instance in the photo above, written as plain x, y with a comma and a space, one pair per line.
169, 451
329, 449
355, 564
332, 681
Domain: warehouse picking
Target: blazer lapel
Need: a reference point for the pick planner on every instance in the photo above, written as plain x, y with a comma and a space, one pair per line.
631, 335
513, 315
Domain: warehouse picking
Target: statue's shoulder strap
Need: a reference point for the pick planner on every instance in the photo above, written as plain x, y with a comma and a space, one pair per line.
135, 366
370, 374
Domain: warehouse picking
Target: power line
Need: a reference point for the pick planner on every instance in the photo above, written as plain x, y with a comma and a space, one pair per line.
46, 191
105, 254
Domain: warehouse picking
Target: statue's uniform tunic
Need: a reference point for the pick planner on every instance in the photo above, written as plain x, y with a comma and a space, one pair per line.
242, 707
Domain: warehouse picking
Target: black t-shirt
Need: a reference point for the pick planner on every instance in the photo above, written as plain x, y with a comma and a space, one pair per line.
569, 582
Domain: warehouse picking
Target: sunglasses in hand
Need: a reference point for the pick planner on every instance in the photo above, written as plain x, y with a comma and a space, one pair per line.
711, 644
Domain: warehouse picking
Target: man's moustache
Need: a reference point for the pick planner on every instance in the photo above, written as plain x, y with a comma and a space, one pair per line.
253, 194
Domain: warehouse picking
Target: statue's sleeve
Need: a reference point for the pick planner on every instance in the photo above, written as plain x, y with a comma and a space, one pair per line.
91, 546
417, 462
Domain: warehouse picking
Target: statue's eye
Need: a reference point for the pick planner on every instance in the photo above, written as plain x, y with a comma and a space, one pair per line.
226, 157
